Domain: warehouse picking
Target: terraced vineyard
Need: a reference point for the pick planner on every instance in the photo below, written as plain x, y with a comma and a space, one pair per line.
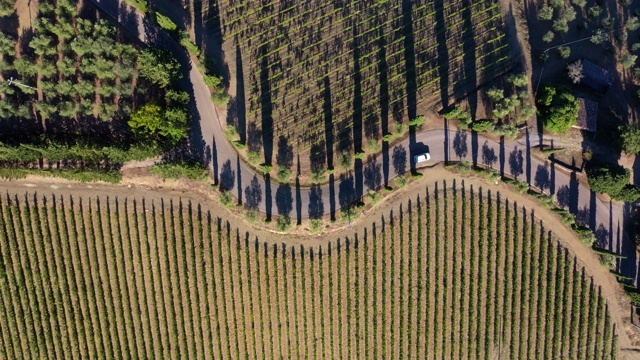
452, 274
326, 73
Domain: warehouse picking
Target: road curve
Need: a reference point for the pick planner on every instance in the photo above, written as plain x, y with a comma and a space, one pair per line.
510, 158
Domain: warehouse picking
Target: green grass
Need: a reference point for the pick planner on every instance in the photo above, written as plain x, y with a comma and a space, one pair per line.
181, 170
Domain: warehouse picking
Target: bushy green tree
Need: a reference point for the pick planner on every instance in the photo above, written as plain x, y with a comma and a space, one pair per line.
558, 109
159, 66
7, 7
546, 13
631, 139
151, 121
612, 179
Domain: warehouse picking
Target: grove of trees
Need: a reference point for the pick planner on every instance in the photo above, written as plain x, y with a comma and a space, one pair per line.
558, 109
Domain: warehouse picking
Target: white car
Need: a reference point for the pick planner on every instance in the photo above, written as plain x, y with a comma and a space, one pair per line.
421, 158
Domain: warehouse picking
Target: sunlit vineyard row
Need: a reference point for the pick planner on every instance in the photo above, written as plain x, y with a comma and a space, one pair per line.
456, 273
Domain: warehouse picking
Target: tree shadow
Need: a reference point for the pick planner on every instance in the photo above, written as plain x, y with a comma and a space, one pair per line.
468, 70
357, 95
346, 190
227, 176
328, 120
285, 153
563, 196
254, 137
372, 174
399, 159
443, 53
409, 58
266, 107
541, 179
516, 163
317, 157
489, 156
460, 144
602, 237
268, 196
384, 104
253, 194
237, 112
316, 204
284, 199
298, 201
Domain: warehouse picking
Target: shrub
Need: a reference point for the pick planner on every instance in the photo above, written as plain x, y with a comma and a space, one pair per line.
186, 42
632, 24
575, 71
483, 125
239, 144
349, 213
232, 132
374, 197
139, 4
318, 176
564, 51
579, 3
166, 23
185, 169
628, 60
283, 223
402, 181
345, 160
569, 14
521, 186
254, 157
252, 216
595, 11
226, 198
612, 179
560, 26
556, 3
373, 146
149, 121
546, 13
630, 139
213, 81
360, 155
417, 122
220, 98
266, 168
599, 37
551, 151
316, 225
548, 37
159, 66
284, 174
400, 128
388, 137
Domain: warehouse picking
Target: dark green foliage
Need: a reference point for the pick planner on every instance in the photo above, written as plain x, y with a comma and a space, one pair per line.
159, 66
630, 139
612, 179
151, 122
551, 151
7, 7
183, 169
84, 175
483, 125
283, 223
558, 109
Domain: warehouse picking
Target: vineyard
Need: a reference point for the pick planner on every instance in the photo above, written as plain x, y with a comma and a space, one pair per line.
323, 74
129, 278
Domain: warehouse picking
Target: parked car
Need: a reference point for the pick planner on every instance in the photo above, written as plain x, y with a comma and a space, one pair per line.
421, 158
